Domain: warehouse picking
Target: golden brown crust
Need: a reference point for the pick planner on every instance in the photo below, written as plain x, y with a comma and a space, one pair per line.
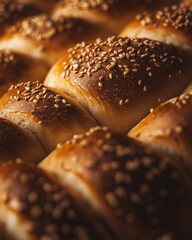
170, 24
41, 102
120, 61
45, 209
41, 27
168, 128
53, 114
143, 191
15, 67
18, 143
178, 17
43, 37
116, 75
114, 14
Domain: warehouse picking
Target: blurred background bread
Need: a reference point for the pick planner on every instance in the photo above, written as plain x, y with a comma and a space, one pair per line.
16, 68
171, 25
114, 14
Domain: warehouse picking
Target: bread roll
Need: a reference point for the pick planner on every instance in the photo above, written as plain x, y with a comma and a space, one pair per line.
11, 11
15, 68
41, 37
171, 25
18, 143
118, 80
40, 209
140, 194
114, 14
168, 129
50, 117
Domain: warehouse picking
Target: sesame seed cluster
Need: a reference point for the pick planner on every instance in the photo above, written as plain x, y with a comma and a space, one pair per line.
177, 16
126, 64
41, 27
179, 109
181, 101
38, 92
46, 105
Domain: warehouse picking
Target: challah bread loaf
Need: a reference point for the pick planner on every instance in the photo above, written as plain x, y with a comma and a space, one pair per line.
44, 113
114, 14
39, 209
140, 194
171, 25
118, 80
168, 129
18, 143
41, 37
11, 11
15, 68
100, 185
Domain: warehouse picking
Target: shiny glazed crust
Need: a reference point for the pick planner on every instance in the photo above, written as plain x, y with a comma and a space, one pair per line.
113, 77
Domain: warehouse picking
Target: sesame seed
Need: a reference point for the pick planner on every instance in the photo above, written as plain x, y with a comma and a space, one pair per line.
100, 84
121, 102
145, 88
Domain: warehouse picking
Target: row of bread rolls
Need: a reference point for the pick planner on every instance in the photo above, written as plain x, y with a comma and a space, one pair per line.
28, 28
30, 35
113, 14
112, 82
139, 193
129, 188
116, 80
168, 127
33, 206
99, 185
